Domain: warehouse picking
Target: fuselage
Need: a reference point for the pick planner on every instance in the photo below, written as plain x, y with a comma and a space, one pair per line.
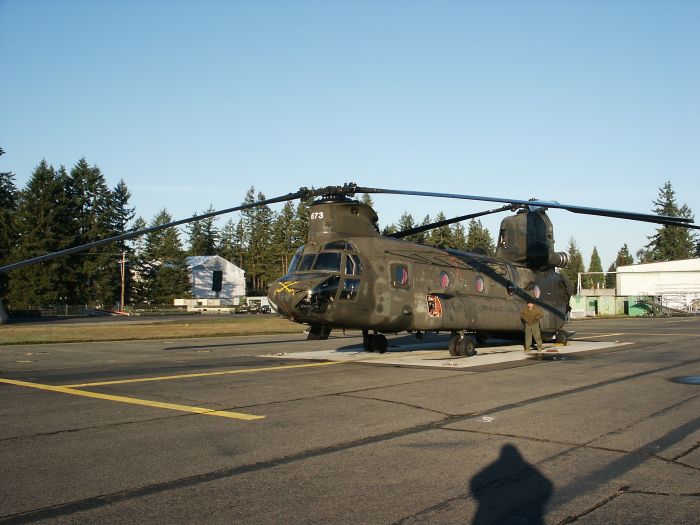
360, 279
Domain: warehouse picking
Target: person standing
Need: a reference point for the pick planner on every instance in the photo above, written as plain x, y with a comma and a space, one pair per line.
531, 316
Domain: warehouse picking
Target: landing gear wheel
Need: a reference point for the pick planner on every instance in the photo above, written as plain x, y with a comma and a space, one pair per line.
462, 345
452, 345
562, 338
379, 343
367, 341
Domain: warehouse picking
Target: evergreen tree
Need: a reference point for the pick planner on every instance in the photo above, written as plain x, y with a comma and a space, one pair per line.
670, 242
120, 217
405, 223
594, 281
166, 275
203, 235
44, 225
479, 237
575, 266
229, 243
389, 230
441, 236
259, 268
624, 258
9, 197
367, 199
96, 277
459, 237
138, 269
424, 237
300, 225
283, 246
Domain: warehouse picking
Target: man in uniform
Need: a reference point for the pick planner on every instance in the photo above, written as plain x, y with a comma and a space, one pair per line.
531, 316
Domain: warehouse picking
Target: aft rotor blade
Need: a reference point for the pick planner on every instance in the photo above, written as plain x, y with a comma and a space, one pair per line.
302, 193
447, 222
645, 217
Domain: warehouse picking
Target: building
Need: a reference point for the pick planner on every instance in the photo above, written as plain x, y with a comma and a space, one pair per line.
676, 284
214, 277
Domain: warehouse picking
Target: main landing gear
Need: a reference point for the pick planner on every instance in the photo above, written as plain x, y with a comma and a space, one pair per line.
374, 342
462, 344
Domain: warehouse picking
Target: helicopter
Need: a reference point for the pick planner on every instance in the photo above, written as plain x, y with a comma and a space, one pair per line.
350, 276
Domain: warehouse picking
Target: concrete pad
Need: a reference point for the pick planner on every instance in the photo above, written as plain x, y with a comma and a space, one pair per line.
435, 355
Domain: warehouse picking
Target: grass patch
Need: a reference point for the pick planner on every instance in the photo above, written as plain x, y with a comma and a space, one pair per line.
33, 333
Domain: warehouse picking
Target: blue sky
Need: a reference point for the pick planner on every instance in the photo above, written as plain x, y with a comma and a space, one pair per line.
593, 103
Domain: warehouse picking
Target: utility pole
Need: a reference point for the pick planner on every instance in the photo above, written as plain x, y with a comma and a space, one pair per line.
123, 268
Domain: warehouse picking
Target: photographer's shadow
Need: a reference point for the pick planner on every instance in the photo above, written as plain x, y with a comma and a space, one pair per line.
510, 490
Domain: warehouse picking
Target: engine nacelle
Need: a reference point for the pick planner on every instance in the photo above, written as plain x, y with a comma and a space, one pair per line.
528, 238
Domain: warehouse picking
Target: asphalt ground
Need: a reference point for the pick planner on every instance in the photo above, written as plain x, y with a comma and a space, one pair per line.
222, 430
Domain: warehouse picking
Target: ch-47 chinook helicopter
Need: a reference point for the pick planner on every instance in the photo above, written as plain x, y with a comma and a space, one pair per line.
348, 275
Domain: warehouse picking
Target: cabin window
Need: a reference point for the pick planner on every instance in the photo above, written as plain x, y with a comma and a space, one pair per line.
353, 265
479, 284
444, 279
328, 262
339, 245
399, 276
306, 262
350, 289
295, 260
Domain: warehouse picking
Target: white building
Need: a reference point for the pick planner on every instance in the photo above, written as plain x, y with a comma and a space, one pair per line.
676, 283
214, 277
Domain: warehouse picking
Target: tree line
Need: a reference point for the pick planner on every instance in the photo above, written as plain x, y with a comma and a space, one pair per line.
59, 208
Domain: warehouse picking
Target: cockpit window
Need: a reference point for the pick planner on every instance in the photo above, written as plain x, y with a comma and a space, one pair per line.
353, 265
295, 260
306, 262
328, 261
339, 245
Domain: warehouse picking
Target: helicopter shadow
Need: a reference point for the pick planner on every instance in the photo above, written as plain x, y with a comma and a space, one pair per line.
510, 490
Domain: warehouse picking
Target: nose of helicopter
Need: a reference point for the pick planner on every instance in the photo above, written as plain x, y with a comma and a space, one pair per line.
301, 296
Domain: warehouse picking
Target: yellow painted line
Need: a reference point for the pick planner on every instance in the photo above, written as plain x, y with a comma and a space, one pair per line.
132, 401
575, 338
204, 374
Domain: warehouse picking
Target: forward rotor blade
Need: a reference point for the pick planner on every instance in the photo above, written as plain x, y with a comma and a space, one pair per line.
645, 217
446, 222
302, 193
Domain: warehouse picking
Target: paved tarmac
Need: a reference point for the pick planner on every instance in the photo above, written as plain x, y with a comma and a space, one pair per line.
242, 430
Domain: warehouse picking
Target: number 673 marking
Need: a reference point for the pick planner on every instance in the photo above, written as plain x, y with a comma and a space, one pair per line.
317, 215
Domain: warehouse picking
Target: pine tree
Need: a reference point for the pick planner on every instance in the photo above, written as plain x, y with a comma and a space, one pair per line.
670, 243
9, 197
120, 217
367, 199
575, 266
44, 225
166, 274
441, 236
229, 244
405, 223
624, 258
479, 238
203, 235
459, 237
424, 237
97, 279
283, 246
138, 269
594, 281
